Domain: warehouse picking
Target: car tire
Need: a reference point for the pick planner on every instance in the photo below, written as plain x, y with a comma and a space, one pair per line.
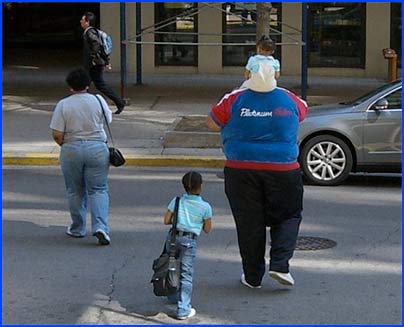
326, 160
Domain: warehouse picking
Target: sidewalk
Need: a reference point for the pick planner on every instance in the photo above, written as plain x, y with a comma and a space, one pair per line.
30, 94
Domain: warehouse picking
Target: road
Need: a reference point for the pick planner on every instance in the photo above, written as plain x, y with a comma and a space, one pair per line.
49, 278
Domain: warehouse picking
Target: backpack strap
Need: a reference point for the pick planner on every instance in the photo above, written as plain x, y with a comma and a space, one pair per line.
174, 227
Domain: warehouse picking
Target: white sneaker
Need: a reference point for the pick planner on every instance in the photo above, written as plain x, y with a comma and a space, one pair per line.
282, 278
190, 315
244, 282
103, 237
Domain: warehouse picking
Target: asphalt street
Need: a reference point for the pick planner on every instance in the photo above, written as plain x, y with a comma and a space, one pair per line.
49, 278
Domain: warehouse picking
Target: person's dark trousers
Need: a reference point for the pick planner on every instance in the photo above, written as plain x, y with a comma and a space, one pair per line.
97, 76
259, 199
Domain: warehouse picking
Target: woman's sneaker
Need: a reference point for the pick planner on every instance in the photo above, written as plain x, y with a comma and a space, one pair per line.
282, 278
70, 233
190, 315
103, 237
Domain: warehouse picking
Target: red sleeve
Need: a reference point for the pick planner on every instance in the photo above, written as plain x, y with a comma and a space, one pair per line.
301, 105
221, 112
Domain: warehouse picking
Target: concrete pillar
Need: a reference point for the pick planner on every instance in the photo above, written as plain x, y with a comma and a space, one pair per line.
109, 22
130, 35
377, 38
148, 52
291, 54
210, 57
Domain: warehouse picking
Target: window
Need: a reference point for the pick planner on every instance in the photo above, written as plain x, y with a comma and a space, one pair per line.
174, 20
395, 30
337, 34
239, 26
394, 100
29, 24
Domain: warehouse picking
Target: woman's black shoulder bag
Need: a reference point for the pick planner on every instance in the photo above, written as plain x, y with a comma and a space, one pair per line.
166, 276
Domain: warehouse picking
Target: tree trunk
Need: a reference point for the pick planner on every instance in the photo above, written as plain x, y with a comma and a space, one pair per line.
263, 19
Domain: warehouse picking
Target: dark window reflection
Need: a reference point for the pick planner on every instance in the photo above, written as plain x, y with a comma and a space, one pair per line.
174, 20
395, 100
239, 26
44, 24
337, 34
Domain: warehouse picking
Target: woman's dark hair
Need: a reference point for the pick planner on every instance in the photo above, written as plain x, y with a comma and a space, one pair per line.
266, 43
78, 79
192, 182
90, 17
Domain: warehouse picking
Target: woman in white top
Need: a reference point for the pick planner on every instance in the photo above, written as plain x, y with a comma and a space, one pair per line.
77, 126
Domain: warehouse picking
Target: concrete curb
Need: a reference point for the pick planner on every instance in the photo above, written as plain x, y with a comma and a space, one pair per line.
30, 159
41, 159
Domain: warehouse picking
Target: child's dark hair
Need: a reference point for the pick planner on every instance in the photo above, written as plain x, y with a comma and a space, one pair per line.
78, 79
192, 182
266, 43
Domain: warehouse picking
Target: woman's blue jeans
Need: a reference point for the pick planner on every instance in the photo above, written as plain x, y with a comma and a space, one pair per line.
186, 253
85, 166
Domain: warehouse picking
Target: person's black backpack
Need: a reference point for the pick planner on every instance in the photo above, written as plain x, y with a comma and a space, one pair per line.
166, 276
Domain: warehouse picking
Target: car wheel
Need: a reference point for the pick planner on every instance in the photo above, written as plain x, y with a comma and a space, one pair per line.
326, 160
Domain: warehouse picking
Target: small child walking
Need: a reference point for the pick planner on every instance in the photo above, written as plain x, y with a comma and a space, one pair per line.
194, 214
262, 69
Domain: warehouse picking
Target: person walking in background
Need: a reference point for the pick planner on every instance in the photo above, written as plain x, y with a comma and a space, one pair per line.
194, 214
262, 69
77, 126
263, 181
95, 61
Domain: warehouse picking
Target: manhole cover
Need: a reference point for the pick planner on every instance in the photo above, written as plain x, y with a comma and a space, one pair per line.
308, 243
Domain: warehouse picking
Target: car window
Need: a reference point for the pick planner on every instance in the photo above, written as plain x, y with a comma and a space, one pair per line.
394, 100
369, 95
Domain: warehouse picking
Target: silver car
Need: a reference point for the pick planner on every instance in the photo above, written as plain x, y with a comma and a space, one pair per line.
363, 135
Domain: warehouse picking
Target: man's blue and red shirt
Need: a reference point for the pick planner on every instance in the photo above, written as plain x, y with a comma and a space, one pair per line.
259, 130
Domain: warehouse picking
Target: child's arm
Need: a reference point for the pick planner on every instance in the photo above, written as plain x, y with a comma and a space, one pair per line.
207, 225
168, 217
250, 67
277, 67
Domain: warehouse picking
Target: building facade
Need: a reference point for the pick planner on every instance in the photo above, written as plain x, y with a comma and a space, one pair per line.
345, 39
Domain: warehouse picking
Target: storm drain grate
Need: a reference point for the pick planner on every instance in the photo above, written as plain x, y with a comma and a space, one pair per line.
309, 243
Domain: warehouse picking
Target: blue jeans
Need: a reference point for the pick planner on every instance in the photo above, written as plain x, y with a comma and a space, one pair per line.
186, 253
85, 166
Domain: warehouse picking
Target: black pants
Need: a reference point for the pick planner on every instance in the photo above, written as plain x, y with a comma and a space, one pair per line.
97, 76
259, 199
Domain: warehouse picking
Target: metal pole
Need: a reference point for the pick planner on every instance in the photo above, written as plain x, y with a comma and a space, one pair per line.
138, 45
123, 49
304, 51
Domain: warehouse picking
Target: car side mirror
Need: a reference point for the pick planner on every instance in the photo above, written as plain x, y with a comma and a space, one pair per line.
381, 104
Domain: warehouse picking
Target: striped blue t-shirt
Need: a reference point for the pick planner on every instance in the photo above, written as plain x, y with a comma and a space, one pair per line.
192, 212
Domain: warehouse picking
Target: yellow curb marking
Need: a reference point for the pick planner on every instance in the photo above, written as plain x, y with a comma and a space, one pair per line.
41, 159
